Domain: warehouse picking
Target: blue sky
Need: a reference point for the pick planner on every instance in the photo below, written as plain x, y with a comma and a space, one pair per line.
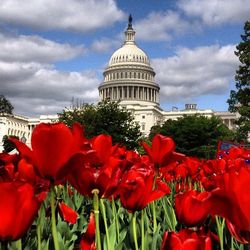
54, 50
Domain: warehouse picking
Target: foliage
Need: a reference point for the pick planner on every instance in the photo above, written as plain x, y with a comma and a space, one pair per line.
5, 105
195, 135
240, 98
106, 117
8, 146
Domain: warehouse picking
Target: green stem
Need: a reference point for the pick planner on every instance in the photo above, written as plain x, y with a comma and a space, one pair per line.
116, 219
135, 231
38, 229
142, 231
103, 210
232, 243
19, 244
38, 232
95, 193
220, 227
166, 215
53, 219
154, 217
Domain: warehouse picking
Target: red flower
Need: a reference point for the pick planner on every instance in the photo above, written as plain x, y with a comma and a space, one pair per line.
162, 150
193, 164
162, 147
180, 171
26, 173
53, 145
88, 238
186, 239
67, 213
18, 208
231, 199
240, 235
190, 207
136, 188
96, 169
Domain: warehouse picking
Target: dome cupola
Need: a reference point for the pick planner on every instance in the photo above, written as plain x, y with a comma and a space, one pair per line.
129, 76
129, 52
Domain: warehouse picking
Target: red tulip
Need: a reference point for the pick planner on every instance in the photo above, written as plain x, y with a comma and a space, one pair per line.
181, 171
88, 238
190, 207
186, 239
18, 208
67, 213
53, 145
96, 169
162, 148
136, 188
231, 199
240, 235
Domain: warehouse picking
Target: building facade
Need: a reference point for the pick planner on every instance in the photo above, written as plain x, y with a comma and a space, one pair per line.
21, 126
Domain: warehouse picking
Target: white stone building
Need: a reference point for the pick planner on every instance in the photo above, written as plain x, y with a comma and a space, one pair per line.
128, 78
21, 126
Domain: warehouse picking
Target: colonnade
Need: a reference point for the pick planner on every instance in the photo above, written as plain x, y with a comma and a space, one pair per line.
130, 92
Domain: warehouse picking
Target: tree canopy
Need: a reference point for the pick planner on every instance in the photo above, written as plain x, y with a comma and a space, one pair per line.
106, 117
239, 100
8, 146
5, 105
195, 135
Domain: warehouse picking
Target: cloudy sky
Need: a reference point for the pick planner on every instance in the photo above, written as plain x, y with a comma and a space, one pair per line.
54, 50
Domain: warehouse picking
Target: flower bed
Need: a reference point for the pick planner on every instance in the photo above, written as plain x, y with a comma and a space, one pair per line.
69, 192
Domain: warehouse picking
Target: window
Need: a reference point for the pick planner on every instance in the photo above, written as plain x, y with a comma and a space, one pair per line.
143, 126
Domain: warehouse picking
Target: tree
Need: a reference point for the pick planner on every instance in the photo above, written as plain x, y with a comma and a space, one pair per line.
5, 105
8, 146
106, 117
239, 100
195, 135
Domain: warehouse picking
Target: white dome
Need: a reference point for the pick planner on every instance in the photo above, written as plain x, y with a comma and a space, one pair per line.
129, 53
129, 77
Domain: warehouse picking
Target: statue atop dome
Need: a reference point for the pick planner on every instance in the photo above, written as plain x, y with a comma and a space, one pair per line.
130, 19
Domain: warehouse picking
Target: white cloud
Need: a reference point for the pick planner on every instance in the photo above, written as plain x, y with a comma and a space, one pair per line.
160, 26
105, 45
195, 72
34, 89
31, 82
25, 48
215, 12
74, 15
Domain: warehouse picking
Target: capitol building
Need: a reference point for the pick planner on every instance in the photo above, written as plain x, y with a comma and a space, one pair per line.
130, 79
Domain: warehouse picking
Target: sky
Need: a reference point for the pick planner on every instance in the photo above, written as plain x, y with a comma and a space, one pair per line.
54, 51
